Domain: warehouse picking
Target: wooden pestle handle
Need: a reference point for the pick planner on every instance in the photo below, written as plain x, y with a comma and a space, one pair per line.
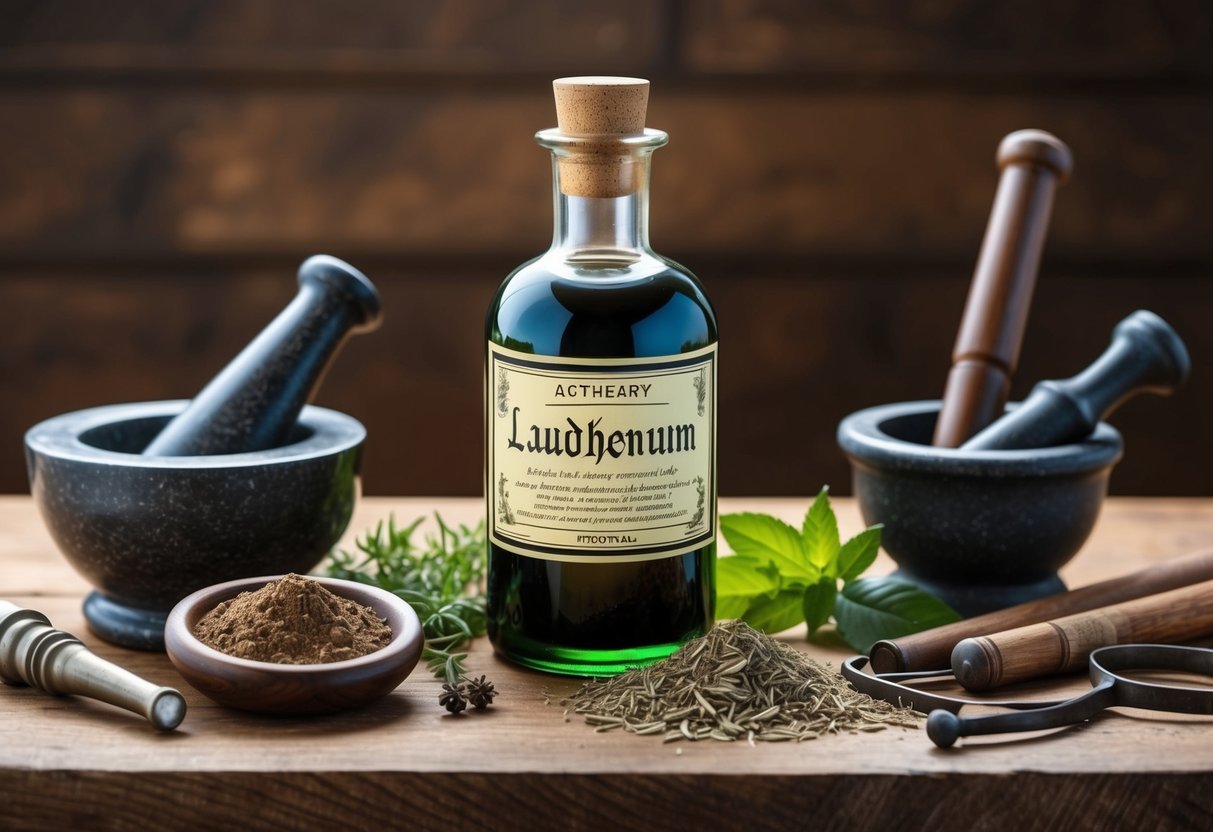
932, 650
1058, 646
1033, 164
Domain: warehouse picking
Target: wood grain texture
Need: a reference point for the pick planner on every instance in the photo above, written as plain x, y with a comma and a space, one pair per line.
68, 761
370, 39
1033, 164
932, 649
942, 40
116, 174
582, 803
1037, 40
799, 352
1061, 645
171, 163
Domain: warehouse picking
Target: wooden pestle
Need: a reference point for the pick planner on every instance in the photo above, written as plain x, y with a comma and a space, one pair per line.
1145, 356
1033, 164
254, 401
932, 649
1064, 644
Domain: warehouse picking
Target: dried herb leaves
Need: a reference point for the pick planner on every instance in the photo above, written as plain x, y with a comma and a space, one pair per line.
734, 683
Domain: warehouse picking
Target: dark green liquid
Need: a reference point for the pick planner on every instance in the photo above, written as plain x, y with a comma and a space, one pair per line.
590, 618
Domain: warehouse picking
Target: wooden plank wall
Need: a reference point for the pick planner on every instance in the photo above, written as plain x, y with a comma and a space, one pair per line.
166, 165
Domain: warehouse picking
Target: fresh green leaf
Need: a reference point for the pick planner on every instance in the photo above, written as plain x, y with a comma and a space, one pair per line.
738, 584
780, 577
778, 613
765, 539
858, 553
820, 532
871, 609
818, 603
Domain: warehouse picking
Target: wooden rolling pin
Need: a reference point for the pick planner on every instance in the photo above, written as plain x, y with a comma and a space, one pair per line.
932, 650
1057, 646
1033, 164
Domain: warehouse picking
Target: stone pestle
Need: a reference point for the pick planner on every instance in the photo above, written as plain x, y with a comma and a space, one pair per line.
1146, 356
254, 402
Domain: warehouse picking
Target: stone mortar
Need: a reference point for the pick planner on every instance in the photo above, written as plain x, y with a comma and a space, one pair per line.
982, 530
149, 530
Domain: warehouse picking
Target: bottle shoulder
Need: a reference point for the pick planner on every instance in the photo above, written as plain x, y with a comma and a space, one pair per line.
652, 306
601, 273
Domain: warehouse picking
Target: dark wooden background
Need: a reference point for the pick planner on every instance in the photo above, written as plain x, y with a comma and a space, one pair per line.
165, 165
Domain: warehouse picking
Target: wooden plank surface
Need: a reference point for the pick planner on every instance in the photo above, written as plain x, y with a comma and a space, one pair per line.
361, 41
830, 172
1045, 41
99, 173
521, 763
799, 351
939, 41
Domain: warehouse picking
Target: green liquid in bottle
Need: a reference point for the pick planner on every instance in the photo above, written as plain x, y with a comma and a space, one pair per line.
599, 618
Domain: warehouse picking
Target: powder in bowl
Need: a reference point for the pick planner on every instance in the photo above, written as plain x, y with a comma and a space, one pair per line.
293, 620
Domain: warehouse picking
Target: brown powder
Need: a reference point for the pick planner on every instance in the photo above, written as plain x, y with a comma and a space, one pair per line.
293, 620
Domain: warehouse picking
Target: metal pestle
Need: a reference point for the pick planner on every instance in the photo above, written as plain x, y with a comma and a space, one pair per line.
255, 400
34, 653
1145, 356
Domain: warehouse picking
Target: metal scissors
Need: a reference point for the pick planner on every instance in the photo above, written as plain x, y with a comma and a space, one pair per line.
1109, 688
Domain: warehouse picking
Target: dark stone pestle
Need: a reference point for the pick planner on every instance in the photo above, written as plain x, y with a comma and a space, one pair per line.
1145, 356
256, 399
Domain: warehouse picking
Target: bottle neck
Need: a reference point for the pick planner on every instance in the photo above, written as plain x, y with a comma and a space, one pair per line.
600, 228
600, 198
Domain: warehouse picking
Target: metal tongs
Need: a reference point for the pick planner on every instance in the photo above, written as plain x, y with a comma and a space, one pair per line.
1110, 688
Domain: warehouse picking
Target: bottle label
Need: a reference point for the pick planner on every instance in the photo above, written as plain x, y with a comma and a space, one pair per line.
601, 459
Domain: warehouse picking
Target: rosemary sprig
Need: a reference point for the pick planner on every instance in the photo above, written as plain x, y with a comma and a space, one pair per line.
443, 580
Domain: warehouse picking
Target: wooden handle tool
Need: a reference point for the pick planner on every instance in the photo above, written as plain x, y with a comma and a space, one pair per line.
1033, 164
1065, 644
932, 650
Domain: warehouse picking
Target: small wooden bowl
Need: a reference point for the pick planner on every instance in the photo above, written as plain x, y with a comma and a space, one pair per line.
271, 688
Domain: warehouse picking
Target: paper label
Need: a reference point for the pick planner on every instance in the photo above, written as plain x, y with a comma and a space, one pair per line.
601, 459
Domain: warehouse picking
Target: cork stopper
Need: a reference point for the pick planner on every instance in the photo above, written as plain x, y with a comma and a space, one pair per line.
600, 110
601, 105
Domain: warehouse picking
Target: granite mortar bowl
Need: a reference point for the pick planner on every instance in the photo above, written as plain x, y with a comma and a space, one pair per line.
265, 687
149, 530
982, 530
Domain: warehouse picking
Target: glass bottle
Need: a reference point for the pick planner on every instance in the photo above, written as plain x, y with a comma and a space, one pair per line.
601, 415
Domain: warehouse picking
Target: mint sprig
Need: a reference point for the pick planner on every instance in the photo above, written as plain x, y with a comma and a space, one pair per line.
780, 576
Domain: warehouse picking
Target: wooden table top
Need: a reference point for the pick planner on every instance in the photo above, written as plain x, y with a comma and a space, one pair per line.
403, 761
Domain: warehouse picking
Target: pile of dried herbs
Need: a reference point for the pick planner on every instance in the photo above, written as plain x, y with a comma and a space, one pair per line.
734, 683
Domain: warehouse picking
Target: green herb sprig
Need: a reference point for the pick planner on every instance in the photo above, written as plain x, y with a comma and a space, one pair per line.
443, 580
781, 576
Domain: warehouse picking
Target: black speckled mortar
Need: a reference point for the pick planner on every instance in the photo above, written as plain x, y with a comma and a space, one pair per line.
149, 530
982, 530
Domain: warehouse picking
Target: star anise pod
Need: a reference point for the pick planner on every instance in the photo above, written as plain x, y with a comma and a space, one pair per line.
480, 693
452, 698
